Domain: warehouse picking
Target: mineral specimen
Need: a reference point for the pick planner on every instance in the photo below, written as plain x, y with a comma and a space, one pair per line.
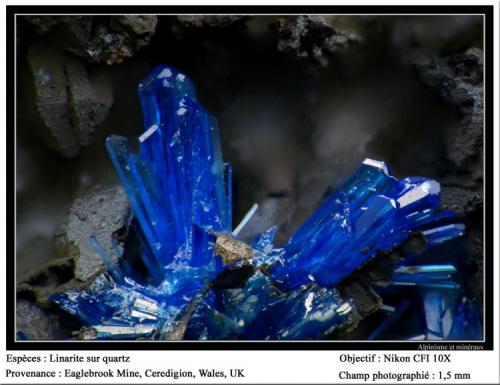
310, 288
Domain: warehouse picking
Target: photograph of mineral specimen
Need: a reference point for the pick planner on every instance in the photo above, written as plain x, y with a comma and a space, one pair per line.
250, 178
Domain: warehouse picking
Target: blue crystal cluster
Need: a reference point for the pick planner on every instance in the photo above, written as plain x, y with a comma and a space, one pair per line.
260, 311
371, 212
178, 186
180, 192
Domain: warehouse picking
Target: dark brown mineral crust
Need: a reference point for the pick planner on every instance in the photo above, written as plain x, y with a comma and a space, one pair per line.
458, 80
100, 213
108, 39
71, 101
311, 37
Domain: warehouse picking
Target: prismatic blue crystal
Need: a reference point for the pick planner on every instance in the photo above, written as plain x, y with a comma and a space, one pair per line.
438, 306
467, 322
181, 196
371, 212
425, 276
394, 316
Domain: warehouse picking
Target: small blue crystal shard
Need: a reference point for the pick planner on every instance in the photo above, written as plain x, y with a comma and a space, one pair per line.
437, 276
265, 251
181, 195
371, 212
394, 316
439, 312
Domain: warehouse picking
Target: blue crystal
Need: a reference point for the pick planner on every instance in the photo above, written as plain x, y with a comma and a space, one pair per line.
311, 312
265, 251
442, 234
106, 303
425, 276
389, 321
264, 242
206, 323
260, 311
120, 332
245, 304
467, 323
439, 312
370, 212
113, 270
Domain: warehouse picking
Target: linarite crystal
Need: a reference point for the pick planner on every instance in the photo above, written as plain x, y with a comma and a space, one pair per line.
371, 212
181, 195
